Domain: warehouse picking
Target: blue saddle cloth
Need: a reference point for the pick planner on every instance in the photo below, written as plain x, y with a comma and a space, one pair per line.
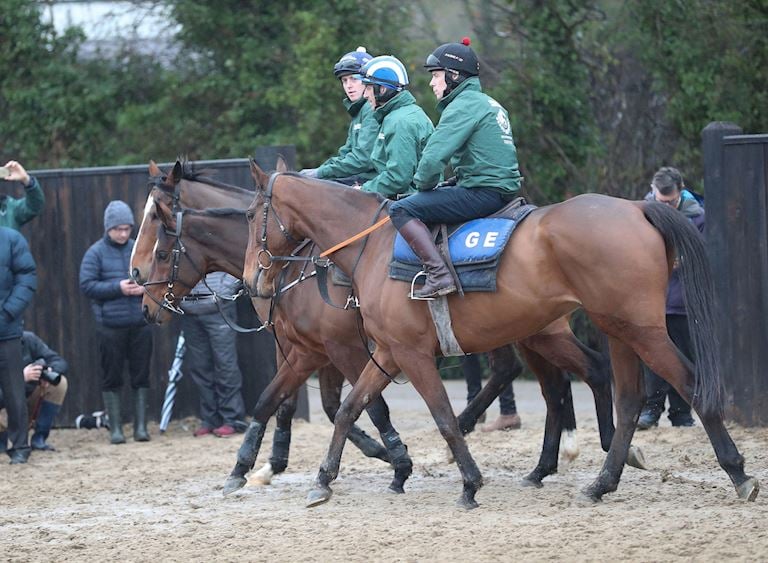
475, 248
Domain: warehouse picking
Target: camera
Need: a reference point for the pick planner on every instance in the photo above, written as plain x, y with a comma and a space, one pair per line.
52, 377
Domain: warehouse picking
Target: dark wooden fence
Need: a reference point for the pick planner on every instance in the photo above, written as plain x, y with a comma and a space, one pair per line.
736, 188
61, 315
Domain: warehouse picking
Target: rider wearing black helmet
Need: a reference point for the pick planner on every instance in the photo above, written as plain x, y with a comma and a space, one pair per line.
353, 163
475, 137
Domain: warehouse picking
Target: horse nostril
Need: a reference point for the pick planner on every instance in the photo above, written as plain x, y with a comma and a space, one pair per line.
145, 310
136, 275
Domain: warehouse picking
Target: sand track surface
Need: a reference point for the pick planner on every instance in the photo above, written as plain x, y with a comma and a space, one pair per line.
162, 500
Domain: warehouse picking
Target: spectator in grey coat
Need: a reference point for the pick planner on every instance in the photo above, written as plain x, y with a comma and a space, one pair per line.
211, 356
123, 334
18, 282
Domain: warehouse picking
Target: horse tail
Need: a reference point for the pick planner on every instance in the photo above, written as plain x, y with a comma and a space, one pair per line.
698, 291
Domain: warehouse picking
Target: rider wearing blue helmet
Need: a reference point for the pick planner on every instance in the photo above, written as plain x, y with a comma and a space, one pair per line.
352, 164
475, 137
404, 127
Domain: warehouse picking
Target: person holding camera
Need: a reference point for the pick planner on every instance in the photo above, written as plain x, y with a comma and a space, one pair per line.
15, 211
18, 282
45, 388
123, 334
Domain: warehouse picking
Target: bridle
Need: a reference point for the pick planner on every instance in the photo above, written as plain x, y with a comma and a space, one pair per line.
264, 250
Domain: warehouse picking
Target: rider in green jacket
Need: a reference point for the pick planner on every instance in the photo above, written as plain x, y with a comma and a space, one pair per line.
475, 136
14, 212
404, 127
352, 164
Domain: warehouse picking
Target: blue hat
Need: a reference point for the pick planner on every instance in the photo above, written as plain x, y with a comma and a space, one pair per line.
385, 71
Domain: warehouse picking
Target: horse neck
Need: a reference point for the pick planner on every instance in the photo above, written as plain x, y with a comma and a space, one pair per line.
329, 214
201, 195
220, 240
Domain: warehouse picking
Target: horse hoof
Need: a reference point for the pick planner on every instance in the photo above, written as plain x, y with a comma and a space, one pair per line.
467, 503
396, 488
318, 495
586, 499
263, 476
233, 483
635, 458
748, 489
528, 482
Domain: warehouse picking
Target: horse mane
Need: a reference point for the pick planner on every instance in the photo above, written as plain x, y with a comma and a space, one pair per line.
378, 196
214, 212
203, 175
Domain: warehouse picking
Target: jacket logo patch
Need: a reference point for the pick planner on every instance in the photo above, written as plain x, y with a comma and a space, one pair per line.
501, 119
357, 126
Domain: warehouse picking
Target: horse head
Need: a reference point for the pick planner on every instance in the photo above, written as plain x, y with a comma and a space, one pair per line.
162, 185
176, 266
268, 236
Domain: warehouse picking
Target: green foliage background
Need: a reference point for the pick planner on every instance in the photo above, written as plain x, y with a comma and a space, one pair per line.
601, 93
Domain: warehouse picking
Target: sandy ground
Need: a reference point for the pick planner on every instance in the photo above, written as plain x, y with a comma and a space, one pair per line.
162, 500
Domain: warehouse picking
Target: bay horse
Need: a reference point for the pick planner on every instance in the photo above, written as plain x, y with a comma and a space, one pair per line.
612, 257
187, 191
212, 242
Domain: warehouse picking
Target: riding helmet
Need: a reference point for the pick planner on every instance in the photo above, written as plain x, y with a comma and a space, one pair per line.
351, 63
454, 56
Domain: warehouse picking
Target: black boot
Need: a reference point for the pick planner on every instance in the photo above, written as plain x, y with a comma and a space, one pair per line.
439, 279
45, 417
112, 406
140, 433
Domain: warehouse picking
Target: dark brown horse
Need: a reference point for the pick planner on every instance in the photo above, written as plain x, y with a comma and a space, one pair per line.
610, 256
211, 242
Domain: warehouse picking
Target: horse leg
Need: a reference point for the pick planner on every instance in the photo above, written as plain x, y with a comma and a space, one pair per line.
331, 381
565, 351
396, 451
505, 367
370, 384
291, 373
630, 396
663, 357
556, 390
281, 442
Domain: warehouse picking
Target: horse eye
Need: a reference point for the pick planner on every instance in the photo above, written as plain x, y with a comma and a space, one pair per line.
162, 255
249, 215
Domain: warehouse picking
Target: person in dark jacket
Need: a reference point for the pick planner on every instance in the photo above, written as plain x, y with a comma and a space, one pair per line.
123, 334
46, 387
14, 212
473, 135
18, 282
352, 164
667, 187
211, 356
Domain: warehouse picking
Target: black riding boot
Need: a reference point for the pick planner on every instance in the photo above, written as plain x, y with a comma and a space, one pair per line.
439, 279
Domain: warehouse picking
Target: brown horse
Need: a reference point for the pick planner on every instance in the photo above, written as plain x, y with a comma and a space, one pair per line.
211, 242
167, 188
610, 256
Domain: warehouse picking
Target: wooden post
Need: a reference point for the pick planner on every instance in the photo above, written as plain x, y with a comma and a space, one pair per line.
737, 237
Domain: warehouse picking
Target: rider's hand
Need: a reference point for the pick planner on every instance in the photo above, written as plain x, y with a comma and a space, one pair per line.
309, 172
446, 183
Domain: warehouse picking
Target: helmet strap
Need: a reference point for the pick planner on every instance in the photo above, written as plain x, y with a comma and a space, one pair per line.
382, 94
452, 80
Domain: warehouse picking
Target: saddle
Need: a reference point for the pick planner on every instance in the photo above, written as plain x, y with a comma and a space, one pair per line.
474, 248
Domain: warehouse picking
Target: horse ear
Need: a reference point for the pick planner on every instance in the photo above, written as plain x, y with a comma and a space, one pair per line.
164, 212
282, 165
175, 175
260, 177
154, 169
